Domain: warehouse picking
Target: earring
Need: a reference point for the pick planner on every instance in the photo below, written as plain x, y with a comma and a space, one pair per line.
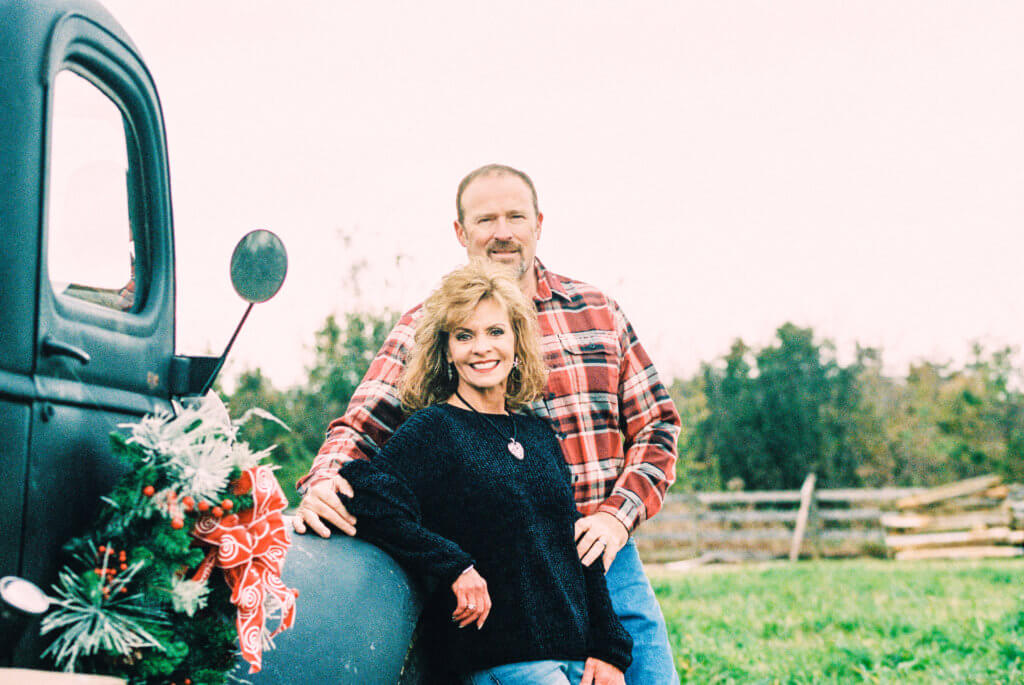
449, 371
515, 374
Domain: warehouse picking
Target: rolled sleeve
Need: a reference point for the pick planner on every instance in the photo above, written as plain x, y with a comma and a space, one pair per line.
650, 426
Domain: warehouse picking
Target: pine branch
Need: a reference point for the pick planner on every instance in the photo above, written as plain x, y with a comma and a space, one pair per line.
90, 623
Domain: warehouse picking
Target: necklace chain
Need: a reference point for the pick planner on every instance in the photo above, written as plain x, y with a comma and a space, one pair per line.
514, 446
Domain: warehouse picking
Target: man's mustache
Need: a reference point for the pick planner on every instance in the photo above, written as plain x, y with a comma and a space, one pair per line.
504, 246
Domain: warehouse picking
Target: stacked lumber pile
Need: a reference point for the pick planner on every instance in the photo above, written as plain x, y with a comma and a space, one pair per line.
970, 519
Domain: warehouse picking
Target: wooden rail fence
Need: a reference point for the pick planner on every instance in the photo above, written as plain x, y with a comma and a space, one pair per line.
977, 517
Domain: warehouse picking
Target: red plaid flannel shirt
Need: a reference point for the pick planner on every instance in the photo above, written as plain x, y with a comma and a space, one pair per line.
614, 418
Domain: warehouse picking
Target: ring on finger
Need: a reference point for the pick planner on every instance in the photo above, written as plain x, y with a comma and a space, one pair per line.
471, 607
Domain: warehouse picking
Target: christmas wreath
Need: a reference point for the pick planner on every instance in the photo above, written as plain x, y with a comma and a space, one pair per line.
137, 599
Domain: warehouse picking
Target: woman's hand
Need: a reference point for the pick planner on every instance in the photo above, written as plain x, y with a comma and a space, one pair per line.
473, 601
322, 502
597, 672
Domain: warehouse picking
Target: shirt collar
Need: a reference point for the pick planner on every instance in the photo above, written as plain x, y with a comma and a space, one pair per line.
548, 284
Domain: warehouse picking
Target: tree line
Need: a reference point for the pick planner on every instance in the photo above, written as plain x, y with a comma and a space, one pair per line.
758, 418
772, 415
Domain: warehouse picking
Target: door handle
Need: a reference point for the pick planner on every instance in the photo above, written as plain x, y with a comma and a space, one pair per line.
51, 347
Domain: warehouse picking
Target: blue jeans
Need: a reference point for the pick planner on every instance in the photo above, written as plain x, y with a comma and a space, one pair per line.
636, 606
530, 673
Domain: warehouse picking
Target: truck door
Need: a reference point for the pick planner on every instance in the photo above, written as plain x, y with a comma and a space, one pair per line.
104, 335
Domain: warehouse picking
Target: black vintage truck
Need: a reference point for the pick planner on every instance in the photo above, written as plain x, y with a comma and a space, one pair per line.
87, 287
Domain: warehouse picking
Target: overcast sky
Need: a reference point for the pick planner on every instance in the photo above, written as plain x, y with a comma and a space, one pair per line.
719, 167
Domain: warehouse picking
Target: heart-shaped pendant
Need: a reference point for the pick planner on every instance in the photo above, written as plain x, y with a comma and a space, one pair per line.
516, 449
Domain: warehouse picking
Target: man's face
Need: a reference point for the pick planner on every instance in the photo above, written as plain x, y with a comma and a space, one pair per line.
499, 222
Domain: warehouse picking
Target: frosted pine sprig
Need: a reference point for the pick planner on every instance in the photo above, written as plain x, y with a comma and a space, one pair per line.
90, 623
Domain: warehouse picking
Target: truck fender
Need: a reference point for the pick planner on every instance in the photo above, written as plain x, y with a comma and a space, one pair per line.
356, 613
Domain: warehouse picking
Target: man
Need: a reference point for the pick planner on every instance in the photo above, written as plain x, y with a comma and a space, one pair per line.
614, 419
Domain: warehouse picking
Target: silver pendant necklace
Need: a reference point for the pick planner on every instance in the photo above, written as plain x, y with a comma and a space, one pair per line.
515, 448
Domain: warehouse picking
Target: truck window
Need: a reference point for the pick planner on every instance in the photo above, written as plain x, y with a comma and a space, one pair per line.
90, 252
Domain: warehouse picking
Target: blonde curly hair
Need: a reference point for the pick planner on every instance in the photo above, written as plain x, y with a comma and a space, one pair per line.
426, 380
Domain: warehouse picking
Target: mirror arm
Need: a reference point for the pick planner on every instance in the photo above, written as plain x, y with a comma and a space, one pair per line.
220, 363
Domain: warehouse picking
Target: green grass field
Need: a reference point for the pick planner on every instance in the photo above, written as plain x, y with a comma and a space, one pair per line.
847, 622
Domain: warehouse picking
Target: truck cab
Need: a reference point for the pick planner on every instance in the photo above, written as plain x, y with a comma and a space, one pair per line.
87, 330
87, 335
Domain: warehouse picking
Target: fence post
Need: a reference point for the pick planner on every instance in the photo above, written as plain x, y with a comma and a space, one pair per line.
802, 517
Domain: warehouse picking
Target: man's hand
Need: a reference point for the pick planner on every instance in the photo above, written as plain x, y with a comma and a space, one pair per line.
600, 534
322, 502
597, 672
473, 602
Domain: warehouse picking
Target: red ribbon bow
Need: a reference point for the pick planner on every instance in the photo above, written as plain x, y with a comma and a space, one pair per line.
250, 548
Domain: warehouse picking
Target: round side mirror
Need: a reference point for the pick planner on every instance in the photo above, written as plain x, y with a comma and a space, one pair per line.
258, 266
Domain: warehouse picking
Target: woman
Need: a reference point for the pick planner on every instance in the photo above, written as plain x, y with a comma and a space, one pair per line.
467, 490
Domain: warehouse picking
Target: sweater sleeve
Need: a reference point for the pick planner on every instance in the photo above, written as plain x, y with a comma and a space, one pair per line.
607, 640
388, 492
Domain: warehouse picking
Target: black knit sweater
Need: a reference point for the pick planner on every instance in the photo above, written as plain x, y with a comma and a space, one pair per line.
445, 493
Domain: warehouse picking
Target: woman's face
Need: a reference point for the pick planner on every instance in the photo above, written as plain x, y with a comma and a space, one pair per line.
482, 349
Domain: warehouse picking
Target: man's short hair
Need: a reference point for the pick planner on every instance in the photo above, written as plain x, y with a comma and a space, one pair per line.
497, 169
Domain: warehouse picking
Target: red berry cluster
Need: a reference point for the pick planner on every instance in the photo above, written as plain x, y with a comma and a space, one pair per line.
173, 506
187, 504
109, 572
217, 510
